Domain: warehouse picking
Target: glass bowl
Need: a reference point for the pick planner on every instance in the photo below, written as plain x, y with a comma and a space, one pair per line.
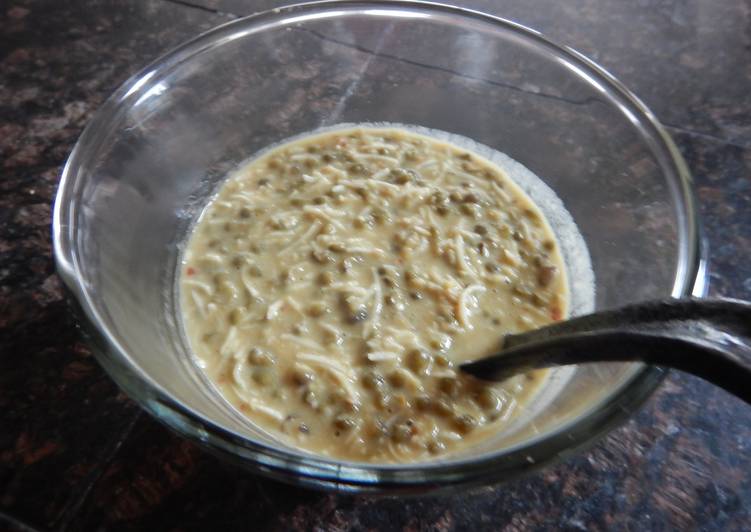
158, 148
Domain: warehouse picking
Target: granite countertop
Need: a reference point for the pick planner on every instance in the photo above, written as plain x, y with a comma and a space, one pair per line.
76, 454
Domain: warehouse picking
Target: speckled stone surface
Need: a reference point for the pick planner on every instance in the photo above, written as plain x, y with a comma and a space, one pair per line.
75, 454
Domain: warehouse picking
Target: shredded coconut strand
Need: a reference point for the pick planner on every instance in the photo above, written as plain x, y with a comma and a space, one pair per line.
304, 342
274, 309
306, 236
266, 410
380, 356
336, 370
374, 323
229, 343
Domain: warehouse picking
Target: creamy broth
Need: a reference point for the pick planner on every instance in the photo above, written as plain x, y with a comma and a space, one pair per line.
334, 284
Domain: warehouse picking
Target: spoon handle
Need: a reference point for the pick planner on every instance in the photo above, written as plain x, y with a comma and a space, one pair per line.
710, 338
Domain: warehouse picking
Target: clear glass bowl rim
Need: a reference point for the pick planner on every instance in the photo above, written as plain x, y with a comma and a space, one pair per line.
326, 473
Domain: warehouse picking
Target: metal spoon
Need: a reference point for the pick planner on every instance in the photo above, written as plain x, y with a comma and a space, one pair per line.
710, 338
